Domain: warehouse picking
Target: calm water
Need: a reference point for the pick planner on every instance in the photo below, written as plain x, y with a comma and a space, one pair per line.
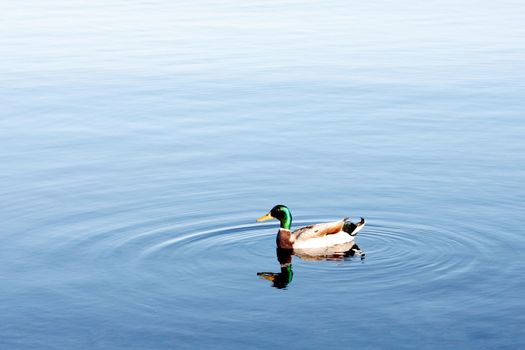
139, 140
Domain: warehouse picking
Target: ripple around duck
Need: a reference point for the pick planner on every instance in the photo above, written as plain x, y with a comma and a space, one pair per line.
231, 236
415, 253
395, 254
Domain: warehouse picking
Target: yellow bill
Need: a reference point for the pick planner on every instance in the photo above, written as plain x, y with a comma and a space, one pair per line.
270, 276
265, 217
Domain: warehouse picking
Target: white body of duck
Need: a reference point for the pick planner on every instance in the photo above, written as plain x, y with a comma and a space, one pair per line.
330, 240
332, 253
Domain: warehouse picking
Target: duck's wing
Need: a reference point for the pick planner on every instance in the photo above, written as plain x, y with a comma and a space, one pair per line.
318, 230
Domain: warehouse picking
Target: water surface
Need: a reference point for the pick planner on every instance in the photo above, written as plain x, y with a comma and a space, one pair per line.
140, 140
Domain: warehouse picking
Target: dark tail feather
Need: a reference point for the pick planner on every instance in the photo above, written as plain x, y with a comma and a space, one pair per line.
351, 228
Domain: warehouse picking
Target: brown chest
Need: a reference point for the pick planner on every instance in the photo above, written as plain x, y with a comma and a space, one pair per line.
284, 239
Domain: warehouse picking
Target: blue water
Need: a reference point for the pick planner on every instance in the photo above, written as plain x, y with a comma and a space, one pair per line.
139, 140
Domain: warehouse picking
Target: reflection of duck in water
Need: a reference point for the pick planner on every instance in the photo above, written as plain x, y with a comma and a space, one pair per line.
281, 279
316, 236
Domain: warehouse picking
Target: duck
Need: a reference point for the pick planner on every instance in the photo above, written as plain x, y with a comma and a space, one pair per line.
317, 236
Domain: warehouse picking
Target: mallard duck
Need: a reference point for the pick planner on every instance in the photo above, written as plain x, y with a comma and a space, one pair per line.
313, 236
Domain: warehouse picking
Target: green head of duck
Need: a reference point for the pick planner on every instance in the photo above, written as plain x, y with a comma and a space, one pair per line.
279, 212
